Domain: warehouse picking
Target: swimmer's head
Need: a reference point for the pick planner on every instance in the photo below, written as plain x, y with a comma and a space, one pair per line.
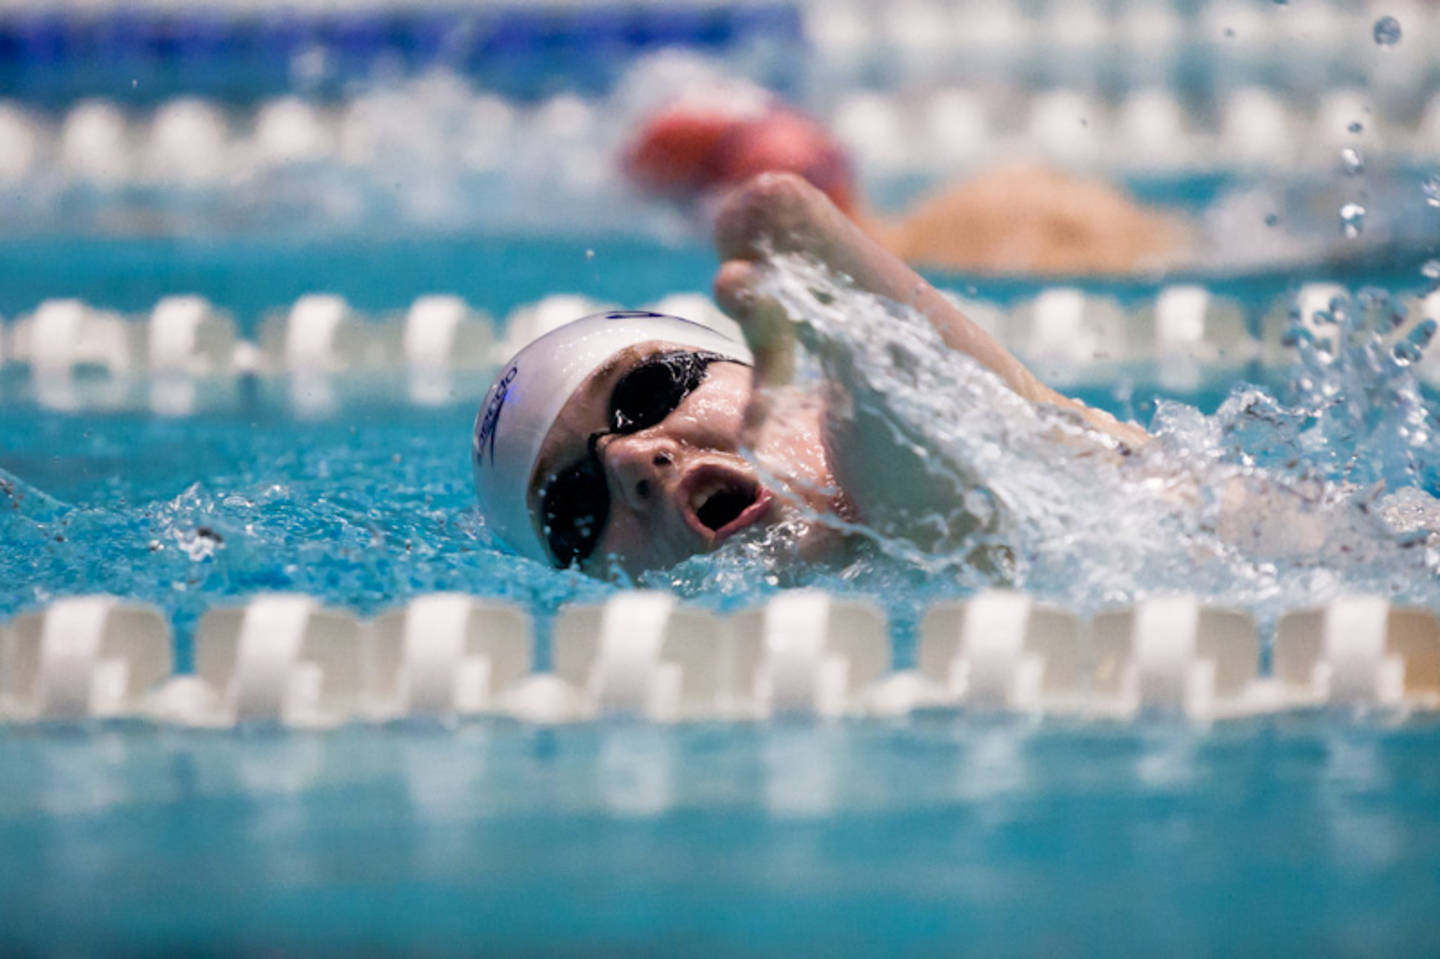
690, 148
583, 404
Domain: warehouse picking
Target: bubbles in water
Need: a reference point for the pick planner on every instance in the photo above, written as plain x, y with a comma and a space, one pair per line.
1387, 31
1356, 126
1406, 353
1352, 220
1430, 186
1423, 333
1431, 270
1294, 336
979, 504
1352, 161
199, 544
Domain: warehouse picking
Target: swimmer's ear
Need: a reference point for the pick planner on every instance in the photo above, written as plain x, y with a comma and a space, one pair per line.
767, 327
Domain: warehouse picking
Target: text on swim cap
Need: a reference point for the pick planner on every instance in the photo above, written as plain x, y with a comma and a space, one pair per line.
485, 436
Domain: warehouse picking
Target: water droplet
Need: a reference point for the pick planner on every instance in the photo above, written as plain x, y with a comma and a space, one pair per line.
980, 505
1430, 270
1229, 32
1272, 219
589, 254
1430, 186
1352, 161
1405, 353
1352, 220
1387, 31
1423, 333
1295, 335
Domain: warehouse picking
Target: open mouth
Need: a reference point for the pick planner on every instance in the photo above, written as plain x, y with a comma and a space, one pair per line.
721, 507
725, 502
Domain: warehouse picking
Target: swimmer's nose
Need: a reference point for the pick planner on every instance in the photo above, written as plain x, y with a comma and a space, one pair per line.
641, 466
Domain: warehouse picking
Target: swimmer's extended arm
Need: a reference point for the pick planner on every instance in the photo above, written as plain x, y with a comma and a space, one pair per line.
781, 213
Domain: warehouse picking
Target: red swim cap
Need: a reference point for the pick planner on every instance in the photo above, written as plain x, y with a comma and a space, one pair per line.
687, 150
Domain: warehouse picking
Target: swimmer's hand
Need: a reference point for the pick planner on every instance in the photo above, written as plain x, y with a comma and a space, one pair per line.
767, 329
782, 213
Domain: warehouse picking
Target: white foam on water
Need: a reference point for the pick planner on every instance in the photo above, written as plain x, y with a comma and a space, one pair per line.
1268, 503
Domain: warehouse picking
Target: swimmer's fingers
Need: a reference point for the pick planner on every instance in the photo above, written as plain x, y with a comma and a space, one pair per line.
768, 331
782, 213
775, 213
767, 327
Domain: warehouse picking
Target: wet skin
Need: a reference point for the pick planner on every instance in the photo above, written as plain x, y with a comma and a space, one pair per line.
660, 479
782, 213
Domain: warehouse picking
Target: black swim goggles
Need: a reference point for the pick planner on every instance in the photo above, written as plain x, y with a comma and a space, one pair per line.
575, 503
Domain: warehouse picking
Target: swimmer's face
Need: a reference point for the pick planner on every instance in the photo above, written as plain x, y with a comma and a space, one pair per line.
681, 486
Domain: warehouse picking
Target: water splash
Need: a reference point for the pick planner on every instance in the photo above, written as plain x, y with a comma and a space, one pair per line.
1387, 32
363, 518
1352, 220
1430, 187
19, 500
1269, 503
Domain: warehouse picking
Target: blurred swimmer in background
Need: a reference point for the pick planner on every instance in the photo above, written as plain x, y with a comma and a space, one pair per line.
1023, 218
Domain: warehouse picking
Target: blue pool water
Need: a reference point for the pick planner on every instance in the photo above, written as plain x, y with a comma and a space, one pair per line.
1304, 834
375, 271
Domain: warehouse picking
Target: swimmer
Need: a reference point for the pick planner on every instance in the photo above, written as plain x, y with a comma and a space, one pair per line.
1021, 218
630, 441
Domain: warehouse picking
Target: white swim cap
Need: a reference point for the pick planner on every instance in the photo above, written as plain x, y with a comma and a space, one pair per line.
531, 390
